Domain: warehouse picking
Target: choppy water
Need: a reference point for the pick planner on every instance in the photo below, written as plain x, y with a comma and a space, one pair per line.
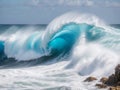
58, 56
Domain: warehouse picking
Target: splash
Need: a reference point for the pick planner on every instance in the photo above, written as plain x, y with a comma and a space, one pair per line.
91, 45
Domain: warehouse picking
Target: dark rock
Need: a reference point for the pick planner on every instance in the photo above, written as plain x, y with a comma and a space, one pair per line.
117, 72
114, 79
111, 80
89, 79
100, 86
118, 84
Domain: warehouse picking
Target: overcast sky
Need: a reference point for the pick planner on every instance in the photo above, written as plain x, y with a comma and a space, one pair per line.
44, 11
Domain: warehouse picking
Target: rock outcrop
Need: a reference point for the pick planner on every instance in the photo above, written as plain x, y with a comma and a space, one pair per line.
100, 86
114, 79
89, 79
104, 80
115, 88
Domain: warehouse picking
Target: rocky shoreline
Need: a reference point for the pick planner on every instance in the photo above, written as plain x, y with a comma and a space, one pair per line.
112, 82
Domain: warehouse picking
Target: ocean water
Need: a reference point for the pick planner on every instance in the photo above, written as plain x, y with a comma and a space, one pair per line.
60, 55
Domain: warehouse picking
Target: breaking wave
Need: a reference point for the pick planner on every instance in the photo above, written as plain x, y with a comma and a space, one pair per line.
91, 45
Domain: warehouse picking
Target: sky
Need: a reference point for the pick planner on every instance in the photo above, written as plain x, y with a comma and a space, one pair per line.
44, 11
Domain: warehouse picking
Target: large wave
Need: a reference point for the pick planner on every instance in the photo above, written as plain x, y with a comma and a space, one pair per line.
92, 45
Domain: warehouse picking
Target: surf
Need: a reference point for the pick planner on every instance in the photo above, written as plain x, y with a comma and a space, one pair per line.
59, 55
79, 39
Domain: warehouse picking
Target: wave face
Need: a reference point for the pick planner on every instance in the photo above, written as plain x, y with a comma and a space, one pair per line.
1, 47
78, 43
64, 39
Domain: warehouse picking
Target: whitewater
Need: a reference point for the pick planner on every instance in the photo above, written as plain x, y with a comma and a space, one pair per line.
58, 56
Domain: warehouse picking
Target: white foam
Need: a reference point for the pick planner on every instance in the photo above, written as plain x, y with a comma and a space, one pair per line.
93, 59
15, 45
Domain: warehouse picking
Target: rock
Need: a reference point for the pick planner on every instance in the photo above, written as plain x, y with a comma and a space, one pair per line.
111, 80
114, 88
118, 84
89, 79
117, 72
114, 79
118, 88
100, 86
104, 80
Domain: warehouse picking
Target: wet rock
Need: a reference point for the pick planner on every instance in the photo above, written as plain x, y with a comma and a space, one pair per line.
114, 88
118, 84
90, 79
111, 80
100, 86
117, 72
114, 79
104, 80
